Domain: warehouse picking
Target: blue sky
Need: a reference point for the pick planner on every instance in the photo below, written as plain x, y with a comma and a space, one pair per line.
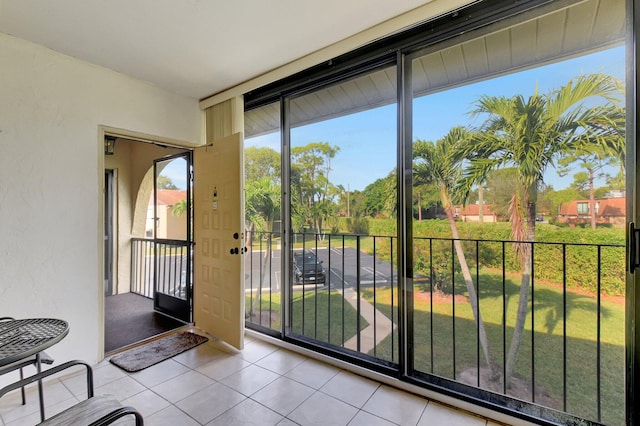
176, 170
367, 140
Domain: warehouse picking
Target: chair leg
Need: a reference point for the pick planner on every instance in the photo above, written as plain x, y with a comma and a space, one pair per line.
40, 390
24, 399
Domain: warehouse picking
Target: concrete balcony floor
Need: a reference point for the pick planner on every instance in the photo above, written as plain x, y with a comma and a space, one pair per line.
263, 384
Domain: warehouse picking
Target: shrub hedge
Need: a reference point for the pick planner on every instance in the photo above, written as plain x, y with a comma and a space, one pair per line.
485, 245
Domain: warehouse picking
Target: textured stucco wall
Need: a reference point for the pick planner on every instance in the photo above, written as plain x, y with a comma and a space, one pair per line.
51, 180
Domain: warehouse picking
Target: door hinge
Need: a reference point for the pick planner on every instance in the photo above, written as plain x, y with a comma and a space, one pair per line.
634, 247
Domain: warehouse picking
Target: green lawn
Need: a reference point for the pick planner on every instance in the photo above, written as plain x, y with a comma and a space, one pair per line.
581, 346
327, 316
434, 325
325, 322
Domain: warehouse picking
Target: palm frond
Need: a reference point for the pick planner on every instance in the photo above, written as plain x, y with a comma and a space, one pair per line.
574, 93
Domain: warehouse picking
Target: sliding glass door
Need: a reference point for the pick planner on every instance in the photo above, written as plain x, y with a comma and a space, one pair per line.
519, 194
342, 190
453, 207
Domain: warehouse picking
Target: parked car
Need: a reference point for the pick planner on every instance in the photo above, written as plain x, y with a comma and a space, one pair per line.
307, 269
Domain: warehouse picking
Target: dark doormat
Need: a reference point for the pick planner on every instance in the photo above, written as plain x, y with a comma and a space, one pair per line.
149, 354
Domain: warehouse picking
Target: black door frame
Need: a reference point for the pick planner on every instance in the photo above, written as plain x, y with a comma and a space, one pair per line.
109, 178
181, 307
632, 296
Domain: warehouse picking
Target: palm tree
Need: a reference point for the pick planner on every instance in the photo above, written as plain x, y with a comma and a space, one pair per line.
530, 135
440, 164
179, 208
310, 183
262, 209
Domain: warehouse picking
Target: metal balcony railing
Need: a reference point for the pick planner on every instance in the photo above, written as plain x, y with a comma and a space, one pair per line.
571, 356
142, 267
171, 267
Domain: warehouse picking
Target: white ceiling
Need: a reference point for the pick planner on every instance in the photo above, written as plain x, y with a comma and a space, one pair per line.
193, 47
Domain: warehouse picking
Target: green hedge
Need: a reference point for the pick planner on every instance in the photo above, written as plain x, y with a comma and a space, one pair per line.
580, 252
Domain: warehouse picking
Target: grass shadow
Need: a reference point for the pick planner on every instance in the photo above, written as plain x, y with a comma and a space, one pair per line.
446, 344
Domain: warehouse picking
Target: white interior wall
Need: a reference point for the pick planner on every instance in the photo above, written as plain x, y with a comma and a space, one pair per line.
51, 180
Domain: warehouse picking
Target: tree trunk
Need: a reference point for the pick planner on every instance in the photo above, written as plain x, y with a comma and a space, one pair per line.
523, 300
480, 204
473, 297
319, 228
249, 241
592, 201
249, 234
523, 306
263, 270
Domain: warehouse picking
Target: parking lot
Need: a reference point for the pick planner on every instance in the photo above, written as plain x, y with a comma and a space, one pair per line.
340, 265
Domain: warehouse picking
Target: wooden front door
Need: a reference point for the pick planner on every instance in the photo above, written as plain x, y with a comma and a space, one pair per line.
219, 240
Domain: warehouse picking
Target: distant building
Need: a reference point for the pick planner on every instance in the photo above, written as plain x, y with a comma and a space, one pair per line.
168, 225
471, 213
607, 211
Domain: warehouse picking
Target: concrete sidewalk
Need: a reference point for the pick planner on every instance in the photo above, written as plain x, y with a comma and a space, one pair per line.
370, 336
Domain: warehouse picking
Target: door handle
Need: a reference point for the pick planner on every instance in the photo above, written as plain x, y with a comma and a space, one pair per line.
234, 250
634, 247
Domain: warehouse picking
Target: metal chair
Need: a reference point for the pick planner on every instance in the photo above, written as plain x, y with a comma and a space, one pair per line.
95, 410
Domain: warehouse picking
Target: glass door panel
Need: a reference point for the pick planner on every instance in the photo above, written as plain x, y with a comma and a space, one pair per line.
263, 224
172, 236
519, 211
343, 278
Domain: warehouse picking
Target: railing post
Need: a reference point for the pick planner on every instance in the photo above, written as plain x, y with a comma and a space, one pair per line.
598, 336
453, 304
357, 290
315, 292
327, 283
304, 311
260, 278
342, 281
564, 327
533, 326
132, 270
250, 272
375, 305
504, 319
270, 280
431, 277
479, 316
150, 267
391, 286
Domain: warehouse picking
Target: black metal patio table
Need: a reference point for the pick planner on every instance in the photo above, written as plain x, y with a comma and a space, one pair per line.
22, 339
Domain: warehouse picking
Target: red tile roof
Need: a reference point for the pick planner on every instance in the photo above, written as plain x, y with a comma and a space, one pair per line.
170, 197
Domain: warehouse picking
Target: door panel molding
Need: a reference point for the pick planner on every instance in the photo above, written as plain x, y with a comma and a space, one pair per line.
219, 240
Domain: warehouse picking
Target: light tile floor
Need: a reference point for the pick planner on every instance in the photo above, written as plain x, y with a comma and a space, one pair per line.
261, 385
